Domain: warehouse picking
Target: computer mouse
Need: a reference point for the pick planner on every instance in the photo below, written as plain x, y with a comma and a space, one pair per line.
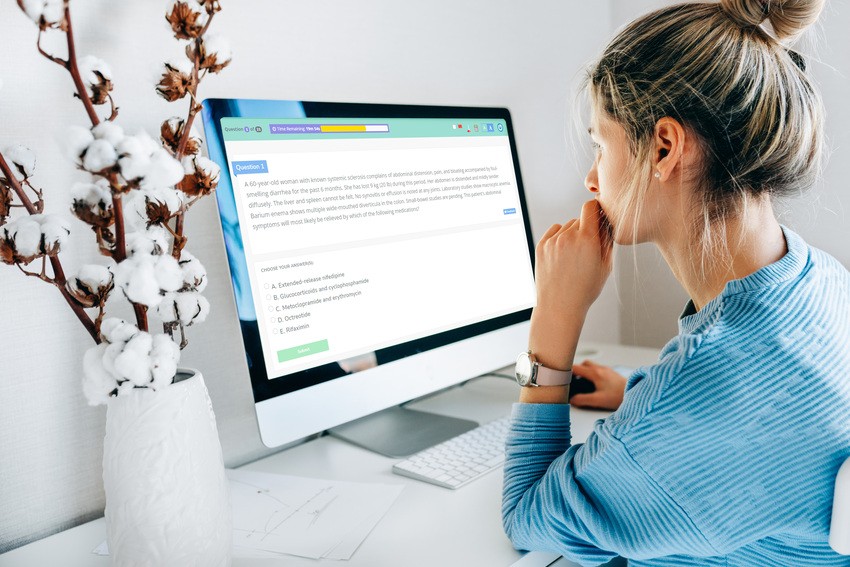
581, 385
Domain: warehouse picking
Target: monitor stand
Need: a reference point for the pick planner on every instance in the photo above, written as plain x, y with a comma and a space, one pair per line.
400, 432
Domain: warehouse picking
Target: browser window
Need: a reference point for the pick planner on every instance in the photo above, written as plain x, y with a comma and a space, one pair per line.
363, 234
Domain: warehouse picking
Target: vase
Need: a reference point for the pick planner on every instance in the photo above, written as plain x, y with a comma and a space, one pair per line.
167, 496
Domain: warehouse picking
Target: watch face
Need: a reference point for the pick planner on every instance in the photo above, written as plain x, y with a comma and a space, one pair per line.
524, 369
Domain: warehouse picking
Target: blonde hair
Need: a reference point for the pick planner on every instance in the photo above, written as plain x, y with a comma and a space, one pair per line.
743, 93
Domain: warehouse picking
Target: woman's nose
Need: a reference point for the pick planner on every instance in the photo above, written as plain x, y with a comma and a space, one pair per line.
592, 181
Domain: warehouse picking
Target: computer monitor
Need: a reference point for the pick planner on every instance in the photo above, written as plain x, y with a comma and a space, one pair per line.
378, 253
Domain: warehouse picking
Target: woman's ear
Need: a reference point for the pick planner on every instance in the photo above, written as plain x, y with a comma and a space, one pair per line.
669, 147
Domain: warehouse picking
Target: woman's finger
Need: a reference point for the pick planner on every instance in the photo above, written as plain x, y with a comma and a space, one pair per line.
590, 216
585, 401
552, 230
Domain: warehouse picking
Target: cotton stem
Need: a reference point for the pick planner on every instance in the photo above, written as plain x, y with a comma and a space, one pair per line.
82, 92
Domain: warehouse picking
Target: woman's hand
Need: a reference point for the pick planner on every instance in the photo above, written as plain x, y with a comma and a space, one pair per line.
609, 386
573, 263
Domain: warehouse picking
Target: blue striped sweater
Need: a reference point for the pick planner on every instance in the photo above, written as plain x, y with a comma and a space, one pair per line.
722, 453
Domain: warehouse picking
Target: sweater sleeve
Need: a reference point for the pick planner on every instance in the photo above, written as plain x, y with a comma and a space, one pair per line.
589, 502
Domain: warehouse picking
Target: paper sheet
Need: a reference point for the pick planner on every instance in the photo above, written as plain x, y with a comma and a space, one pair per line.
279, 514
305, 516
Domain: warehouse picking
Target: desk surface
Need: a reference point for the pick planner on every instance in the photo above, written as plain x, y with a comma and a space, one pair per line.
426, 526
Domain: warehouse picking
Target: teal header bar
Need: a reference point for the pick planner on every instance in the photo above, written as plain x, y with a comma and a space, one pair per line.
256, 129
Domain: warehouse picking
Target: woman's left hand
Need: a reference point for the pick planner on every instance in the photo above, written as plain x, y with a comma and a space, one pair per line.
573, 263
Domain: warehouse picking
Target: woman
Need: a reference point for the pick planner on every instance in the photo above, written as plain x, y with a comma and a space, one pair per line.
725, 451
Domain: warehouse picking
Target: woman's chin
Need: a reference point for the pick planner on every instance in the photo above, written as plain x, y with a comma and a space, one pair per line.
622, 237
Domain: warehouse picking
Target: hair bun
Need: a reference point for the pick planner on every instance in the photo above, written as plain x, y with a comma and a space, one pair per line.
789, 18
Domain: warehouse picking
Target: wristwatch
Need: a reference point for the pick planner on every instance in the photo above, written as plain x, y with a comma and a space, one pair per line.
531, 373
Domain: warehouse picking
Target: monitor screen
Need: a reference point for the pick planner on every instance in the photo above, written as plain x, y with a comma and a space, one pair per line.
372, 249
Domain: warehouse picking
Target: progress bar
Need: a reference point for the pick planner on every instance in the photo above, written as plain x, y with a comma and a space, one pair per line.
326, 128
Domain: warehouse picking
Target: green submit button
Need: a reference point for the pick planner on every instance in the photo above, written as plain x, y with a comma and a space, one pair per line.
303, 350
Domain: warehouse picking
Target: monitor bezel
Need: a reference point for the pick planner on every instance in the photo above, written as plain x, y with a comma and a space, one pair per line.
265, 389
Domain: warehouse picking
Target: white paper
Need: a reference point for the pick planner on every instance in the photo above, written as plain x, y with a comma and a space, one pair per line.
537, 559
101, 549
305, 516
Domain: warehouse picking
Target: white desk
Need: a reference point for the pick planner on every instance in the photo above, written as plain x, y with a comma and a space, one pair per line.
426, 526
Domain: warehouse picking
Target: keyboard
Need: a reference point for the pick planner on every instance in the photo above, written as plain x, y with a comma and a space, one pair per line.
460, 460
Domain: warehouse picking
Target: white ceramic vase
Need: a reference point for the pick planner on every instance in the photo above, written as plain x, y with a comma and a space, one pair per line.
167, 497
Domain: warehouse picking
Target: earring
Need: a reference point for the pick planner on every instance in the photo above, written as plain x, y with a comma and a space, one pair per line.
658, 175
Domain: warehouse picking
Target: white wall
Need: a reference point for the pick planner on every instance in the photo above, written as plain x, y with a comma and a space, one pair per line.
524, 56
651, 299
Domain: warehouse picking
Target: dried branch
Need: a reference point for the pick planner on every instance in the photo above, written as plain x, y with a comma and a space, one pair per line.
114, 113
194, 108
141, 313
39, 203
41, 275
53, 58
58, 273
82, 92
119, 251
16, 186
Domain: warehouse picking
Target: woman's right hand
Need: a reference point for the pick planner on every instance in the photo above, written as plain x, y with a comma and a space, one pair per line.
609, 387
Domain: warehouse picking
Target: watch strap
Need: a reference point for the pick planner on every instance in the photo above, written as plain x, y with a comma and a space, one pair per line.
549, 377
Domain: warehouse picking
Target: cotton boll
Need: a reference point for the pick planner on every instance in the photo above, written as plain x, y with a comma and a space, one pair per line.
77, 140
54, 11
94, 275
193, 133
141, 343
37, 234
55, 233
33, 9
134, 166
96, 75
109, 131
188, 163
141, 285
112, 351
192, 307
97, 382
151, 241
164, 358
219, 46
22, 158
100, 155
167, 308
208, 167
109, 325
90, 64
91, 193
134, 157
25, 232
135, 214
136, 276
169, 276
115, 330
91, 286
134, 367
194, 273
171, 199
181, 65
94, 278
92, 203
49, 11
165, 171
